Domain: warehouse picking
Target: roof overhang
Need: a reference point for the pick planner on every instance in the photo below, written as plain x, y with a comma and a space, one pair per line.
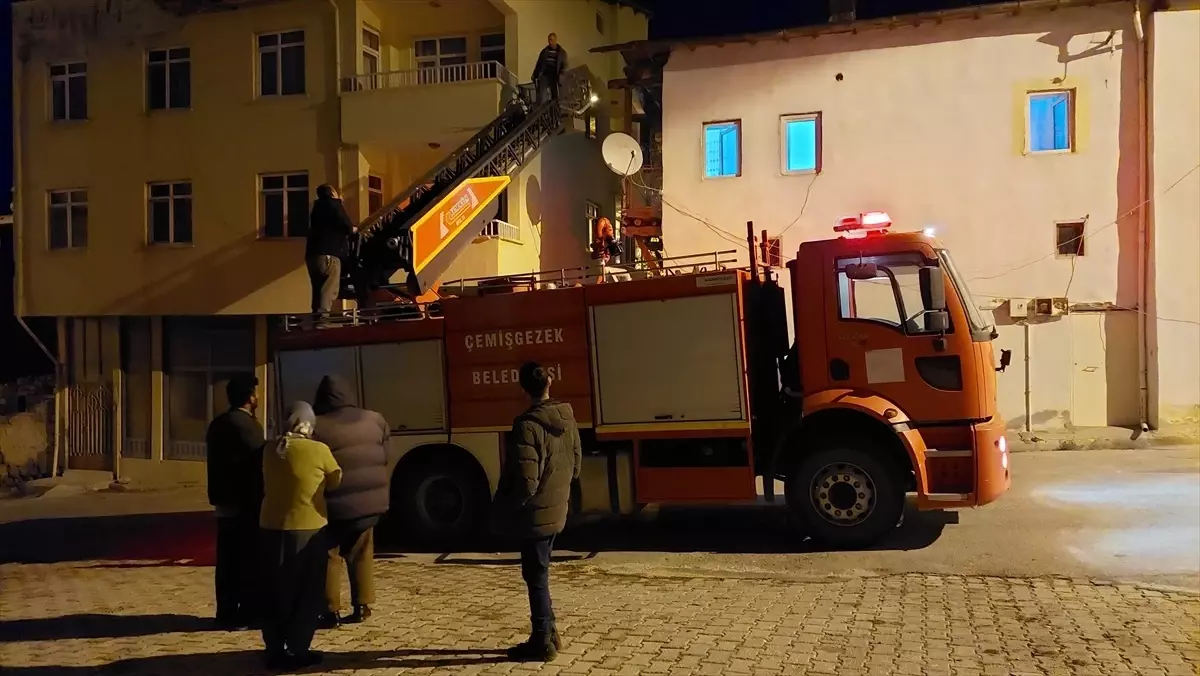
635, 5
643, 48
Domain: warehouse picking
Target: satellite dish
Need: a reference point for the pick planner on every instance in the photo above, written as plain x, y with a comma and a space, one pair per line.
623, 154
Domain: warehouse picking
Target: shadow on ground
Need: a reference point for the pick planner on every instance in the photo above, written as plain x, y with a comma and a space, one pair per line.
187, 538
99, 626
246, 663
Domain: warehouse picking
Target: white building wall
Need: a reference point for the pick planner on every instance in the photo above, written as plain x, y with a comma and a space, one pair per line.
1175, 154
928, 123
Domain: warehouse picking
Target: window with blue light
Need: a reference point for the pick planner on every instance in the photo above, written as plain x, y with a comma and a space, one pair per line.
801, 143
1050, 121
723, 149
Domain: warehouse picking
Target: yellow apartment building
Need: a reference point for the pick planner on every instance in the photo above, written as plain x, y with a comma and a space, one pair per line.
166, 157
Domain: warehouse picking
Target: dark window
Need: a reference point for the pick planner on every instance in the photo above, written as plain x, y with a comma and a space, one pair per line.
67, 219
169, 214
283, 205
1069, 237
374, 194
169, 78
68, 91
491, 48
281, 64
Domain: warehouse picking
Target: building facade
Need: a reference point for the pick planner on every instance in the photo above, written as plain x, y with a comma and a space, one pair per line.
166, 162
1052, 146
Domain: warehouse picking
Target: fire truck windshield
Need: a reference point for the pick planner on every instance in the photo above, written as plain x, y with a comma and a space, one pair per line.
979, 323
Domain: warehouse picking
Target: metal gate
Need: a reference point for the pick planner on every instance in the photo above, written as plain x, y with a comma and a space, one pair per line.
89, 426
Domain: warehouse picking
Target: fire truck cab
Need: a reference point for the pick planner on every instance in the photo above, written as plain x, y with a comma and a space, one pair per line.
687, 388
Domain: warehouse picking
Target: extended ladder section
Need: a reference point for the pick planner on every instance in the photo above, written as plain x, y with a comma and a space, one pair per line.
421, 231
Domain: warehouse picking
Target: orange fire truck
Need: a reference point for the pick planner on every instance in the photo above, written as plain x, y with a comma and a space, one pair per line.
686, 388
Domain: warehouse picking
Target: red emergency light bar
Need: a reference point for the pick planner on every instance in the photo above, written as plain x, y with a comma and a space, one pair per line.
864, 224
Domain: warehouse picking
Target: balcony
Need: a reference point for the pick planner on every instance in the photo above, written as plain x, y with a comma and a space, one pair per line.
421, 107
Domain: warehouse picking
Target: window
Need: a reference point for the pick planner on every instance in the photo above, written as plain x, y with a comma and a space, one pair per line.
599, 23
201, 356
591, 213
68, 91
491, 48
1069, 238
283, 205
136, 381
893, 298
1049, 123
589, 120
441, 52
374, 194
281, 64
169, 78
169, 213
370, 54
801, 135
772, 252
723, 149
67, 219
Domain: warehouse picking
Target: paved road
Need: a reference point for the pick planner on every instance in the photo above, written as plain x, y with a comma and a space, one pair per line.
1124, 515
66, 620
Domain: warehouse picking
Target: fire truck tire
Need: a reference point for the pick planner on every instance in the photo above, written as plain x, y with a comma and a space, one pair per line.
441, 502
845, 497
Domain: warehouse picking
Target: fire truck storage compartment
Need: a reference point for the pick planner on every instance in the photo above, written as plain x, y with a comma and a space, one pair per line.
674, 360
300, 371
406, 383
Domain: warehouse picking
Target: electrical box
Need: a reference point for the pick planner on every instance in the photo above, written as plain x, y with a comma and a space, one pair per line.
1018, 308
1047, 307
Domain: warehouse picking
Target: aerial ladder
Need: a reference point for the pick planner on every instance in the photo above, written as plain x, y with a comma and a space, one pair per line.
422, 230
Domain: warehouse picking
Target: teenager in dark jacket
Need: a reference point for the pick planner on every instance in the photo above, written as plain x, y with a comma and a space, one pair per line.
549, 68
234, 446
541, 461
329, 230
358, 439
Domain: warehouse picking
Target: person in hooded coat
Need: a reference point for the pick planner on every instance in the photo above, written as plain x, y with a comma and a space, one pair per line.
542, 460
297, 471
358, 439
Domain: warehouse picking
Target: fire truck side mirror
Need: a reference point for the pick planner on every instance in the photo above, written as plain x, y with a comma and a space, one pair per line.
937, 321
933, 288
1005, 360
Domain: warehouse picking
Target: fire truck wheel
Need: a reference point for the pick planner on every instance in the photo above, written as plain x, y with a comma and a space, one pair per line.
441, 502
845, 497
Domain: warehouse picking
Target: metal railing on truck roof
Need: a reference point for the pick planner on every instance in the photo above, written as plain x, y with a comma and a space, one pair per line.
545, 279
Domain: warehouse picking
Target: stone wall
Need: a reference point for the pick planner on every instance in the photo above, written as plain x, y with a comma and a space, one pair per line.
26, 429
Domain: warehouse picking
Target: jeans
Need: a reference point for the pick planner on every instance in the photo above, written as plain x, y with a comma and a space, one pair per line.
535, 569
234, 576
547, 88
325, 275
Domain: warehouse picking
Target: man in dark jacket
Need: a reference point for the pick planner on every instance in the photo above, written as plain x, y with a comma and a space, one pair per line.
541, 461
329, 230
358, 439
235, 489
549, 68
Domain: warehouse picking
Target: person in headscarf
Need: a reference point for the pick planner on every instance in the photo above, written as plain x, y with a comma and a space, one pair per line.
296, 473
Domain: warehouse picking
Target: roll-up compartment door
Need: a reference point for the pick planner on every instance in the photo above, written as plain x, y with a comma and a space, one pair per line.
300, 371
675, 360
405, 383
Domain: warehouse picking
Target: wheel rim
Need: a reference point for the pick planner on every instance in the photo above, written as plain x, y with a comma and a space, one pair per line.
843, 494
440, 501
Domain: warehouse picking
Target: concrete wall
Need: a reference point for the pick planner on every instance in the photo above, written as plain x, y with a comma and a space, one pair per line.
1175, 185
26, 428
928, 123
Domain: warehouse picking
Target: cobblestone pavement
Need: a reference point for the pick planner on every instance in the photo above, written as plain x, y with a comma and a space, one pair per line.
130, 618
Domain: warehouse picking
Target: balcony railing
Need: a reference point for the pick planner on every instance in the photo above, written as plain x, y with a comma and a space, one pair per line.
498, 229
464, 72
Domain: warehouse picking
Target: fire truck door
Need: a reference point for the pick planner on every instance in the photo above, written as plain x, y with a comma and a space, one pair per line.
890, 334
